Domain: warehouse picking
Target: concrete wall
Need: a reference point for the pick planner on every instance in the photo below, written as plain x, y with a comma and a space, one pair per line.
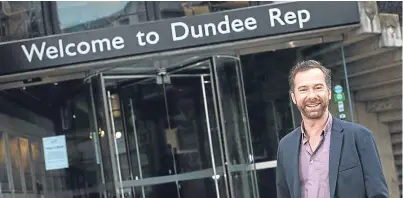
384, 144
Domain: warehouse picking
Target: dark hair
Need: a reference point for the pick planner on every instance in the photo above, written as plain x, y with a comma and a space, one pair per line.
307, 65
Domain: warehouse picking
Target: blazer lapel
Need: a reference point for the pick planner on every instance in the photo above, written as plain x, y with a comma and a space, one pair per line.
336, 140
295, 162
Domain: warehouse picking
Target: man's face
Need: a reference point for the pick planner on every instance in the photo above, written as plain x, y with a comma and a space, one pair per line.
310, 94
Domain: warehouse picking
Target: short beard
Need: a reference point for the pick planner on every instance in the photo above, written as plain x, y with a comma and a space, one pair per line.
315, 114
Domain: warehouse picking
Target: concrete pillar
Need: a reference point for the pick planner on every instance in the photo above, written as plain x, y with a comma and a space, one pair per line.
384, 144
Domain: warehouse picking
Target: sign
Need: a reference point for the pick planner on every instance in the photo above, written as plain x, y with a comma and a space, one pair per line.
338, 89
339, 97
177, 33
340, 106
55, 152
342, 116
94, 136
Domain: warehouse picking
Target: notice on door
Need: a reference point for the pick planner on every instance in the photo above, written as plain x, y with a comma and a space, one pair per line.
55, 152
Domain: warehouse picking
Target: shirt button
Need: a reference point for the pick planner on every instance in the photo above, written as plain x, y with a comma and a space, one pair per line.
311, 162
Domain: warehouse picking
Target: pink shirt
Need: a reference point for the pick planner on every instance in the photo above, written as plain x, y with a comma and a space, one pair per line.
314, 165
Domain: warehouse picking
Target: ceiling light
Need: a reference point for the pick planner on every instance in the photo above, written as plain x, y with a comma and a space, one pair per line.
118, 135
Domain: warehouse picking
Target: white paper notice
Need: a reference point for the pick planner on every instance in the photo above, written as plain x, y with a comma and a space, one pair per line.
55, 151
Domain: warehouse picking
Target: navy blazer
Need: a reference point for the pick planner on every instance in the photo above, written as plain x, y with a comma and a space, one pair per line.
355, 170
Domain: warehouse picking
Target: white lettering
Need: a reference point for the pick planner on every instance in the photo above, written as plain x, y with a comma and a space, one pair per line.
68, 52
250, 23
139, 36
173, 30
61, 51
237, 25
193, 31
52, 52
86, 45
33, 49
226, 25
274, 14
305, 19
213, 28
153, 41
290, 18
100, 45
71, 49
181, 31
118, 43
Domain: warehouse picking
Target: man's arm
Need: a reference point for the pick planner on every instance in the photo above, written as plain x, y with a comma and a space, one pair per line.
375, 184
281, 184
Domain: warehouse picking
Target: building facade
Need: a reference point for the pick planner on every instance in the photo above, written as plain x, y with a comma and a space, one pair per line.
181, 99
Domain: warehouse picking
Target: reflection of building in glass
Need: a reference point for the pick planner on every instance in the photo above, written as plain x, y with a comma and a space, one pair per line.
21, 20
131, 12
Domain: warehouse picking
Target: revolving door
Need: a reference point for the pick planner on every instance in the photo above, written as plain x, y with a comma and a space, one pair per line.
177, 130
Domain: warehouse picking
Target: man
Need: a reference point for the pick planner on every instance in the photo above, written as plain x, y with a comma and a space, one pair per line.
325, 157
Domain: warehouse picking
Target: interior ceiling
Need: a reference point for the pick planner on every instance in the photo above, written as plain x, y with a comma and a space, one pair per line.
46, 98
151, 66
43, 99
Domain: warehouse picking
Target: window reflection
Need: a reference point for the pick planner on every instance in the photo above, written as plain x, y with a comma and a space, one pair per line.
173, 9
26, 163
19, 20
15, 162
81, 16
266, 89
38, 164
3, 165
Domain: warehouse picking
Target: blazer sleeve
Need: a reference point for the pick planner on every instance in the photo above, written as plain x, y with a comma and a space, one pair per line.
375, 183
281, 184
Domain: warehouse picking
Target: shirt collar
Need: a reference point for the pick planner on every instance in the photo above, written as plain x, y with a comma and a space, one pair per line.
326, 130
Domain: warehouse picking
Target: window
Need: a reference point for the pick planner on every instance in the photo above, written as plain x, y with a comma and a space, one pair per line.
174, 9
5, 186
20, 20
80, 16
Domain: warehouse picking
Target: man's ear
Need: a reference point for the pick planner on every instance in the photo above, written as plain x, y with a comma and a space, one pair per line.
293, 97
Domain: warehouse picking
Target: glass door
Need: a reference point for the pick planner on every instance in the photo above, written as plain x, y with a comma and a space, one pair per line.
178, 131
238, 156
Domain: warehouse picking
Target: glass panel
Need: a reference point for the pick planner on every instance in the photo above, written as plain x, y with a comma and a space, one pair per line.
38, 164
103, 135
64, 109
198, 188
174, 9
15, 162
5, 185
270, 110
235, 127
266, 179
80, 15
26, 163
20, 20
